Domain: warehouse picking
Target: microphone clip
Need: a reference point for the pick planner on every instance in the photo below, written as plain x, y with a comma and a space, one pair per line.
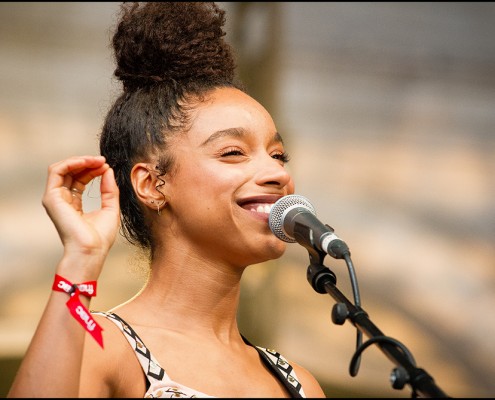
317, 274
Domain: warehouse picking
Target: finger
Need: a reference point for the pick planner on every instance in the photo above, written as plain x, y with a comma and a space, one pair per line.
73, 191
61, 173
76, 199
72, 196
109, 190
81, 179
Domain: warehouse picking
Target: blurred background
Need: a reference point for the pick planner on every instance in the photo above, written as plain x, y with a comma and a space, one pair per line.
388, 112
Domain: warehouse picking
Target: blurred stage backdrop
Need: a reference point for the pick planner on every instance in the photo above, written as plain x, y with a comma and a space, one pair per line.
388, 111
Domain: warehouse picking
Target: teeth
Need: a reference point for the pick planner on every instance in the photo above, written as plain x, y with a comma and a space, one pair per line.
263, 208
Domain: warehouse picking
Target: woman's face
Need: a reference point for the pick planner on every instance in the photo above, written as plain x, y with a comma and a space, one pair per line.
229, 170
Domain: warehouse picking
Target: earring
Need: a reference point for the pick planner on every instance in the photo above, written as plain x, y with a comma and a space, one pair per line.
158, 208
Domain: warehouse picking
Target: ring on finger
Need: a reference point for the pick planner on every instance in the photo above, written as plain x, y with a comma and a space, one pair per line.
75, 190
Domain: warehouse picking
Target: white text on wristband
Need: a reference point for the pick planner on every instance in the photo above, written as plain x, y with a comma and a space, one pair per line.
76, 308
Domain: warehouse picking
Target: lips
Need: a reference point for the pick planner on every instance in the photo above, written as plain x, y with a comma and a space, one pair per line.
260, 205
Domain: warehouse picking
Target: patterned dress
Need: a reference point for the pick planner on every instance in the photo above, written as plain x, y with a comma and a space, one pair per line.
160, 385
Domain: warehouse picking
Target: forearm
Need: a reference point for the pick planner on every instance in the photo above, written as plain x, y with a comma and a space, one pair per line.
53, 361
52, 364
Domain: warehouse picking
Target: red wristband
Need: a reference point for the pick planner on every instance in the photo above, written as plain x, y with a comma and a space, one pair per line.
76, 308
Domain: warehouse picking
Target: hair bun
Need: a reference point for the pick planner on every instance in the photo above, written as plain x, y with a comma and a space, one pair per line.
174, 42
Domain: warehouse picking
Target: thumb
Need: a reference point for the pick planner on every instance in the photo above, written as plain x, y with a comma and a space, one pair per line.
109, 191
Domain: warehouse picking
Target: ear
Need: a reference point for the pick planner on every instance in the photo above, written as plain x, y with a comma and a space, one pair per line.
145, 182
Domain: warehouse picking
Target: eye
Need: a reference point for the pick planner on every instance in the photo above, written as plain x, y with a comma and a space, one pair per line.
283, 156
231, 151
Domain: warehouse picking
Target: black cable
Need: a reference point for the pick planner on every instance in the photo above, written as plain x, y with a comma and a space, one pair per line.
354, 364
357, 303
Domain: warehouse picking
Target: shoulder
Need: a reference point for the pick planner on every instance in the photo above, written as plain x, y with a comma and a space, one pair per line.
312, 388
308, 382
104, 369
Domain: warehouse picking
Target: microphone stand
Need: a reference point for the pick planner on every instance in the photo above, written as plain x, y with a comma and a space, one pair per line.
323, 280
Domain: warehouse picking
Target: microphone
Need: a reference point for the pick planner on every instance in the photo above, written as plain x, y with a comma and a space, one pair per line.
293, 219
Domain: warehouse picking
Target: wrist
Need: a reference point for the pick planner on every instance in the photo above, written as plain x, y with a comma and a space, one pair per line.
79, 267
77, 309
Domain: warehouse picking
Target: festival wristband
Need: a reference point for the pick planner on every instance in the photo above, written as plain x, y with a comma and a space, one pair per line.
76, 308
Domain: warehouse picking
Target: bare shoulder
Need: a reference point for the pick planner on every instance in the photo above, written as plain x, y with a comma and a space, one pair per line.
104, 369
309, 383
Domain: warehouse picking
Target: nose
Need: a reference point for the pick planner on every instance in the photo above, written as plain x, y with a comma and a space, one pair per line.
272, 172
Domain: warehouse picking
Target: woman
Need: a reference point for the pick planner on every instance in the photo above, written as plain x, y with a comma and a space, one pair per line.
191, 165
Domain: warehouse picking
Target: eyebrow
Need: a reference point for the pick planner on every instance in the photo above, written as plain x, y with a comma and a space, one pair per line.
237, 133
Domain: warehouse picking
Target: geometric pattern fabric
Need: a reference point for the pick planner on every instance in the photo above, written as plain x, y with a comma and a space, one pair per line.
160, 384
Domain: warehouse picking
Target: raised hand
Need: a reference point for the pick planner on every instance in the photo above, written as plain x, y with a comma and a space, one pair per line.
87, 235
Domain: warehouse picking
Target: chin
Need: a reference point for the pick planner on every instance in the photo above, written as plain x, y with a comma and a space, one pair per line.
264, 249
276, 249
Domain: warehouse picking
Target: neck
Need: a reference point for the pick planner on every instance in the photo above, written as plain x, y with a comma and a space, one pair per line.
194, 296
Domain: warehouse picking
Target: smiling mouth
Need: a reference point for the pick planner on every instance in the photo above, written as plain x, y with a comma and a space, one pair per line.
259, 206
262, 208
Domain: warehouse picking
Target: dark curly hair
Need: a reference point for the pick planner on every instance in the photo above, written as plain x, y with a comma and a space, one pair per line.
169, 56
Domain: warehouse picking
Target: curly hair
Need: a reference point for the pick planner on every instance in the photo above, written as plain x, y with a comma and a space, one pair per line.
168, 55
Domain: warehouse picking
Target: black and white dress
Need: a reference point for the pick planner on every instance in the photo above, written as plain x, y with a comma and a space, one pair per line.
160, 385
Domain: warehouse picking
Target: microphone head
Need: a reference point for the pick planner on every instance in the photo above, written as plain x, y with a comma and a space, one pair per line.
279, 211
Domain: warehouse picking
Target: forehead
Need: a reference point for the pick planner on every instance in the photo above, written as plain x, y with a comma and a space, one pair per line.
230, 111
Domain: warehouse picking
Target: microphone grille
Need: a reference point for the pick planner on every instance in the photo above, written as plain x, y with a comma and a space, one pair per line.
279, 210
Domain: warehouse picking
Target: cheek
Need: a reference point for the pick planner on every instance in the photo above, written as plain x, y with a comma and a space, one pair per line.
291, 187
205, 180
